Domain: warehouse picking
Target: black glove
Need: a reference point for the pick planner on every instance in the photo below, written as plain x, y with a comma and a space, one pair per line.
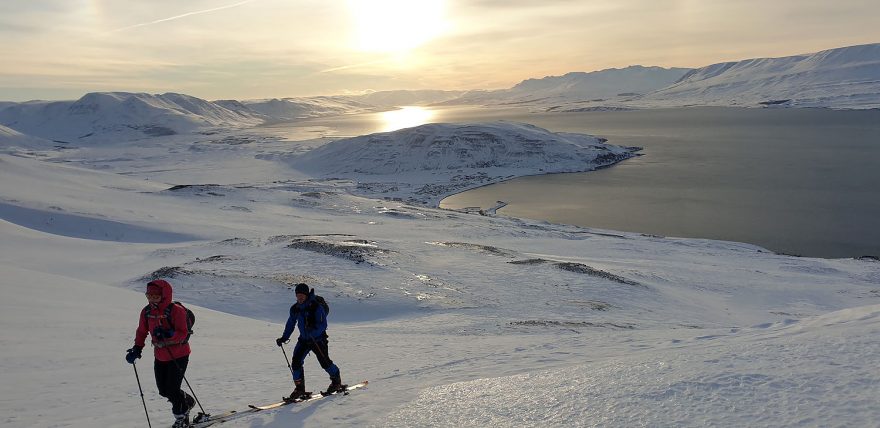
161, 333
280, 341
133, 354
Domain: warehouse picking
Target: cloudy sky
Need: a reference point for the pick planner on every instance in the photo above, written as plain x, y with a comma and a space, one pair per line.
215, 49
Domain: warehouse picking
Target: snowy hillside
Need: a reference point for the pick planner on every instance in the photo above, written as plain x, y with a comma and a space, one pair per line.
608, 83
10, 138
423, 163
841, 78
407, 98
556, 92
429, 305
114, 116
433, 307
286, 109
846, 77
785, 374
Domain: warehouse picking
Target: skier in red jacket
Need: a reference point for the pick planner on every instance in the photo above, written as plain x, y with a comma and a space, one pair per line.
170, 347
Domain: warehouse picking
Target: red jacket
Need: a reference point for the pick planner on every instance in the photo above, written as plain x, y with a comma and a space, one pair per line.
165, 349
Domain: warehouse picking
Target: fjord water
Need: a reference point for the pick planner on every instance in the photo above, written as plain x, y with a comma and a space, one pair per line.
796, 181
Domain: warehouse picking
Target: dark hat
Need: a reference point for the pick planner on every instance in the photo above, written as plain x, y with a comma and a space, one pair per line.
301, 288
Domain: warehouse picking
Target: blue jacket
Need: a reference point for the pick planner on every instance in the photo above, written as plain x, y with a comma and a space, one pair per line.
310, 317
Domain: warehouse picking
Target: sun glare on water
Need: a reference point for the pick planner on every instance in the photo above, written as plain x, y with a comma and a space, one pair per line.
396, 26
405, 117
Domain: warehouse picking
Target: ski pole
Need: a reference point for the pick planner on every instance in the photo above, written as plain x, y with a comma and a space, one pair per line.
287, 360
179, 371
142, 394
318, 349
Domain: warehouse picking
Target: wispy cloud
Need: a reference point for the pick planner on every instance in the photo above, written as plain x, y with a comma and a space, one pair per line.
172, 18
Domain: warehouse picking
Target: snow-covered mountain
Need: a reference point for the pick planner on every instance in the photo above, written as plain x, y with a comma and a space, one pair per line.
286, 109
101, 116
847, 77
608, 83
408, 97
10, 138
600, 85
844, 78
443, 157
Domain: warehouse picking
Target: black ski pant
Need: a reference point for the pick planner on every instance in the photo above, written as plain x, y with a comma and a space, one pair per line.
169, 376
321, 349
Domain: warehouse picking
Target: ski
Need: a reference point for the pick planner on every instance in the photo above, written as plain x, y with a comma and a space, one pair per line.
220, 418
209, 420
283, 402
313, 397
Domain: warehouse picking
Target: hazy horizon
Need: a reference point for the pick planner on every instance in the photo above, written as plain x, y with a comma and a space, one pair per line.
250, 49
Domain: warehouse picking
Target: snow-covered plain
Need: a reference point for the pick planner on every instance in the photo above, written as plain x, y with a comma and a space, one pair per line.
456, 319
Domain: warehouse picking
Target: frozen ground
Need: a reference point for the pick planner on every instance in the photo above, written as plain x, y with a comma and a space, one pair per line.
456, 319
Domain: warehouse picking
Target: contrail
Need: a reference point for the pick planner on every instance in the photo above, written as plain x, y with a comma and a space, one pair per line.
183, 16
346, 67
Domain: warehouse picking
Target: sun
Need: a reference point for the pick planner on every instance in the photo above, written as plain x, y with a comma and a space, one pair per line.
396, 26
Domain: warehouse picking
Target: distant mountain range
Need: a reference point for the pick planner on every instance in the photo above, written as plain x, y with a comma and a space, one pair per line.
844, 78
113, 115
837, 78
597, 86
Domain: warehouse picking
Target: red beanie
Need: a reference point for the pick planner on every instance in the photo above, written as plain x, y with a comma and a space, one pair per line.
153, 288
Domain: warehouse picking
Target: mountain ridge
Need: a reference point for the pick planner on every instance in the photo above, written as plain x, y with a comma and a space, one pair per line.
838, 78
846, 77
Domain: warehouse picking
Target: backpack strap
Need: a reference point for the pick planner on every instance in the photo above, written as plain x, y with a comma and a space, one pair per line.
166, 315
311, 313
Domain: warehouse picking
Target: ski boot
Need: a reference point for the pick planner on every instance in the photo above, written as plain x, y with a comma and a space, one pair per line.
299, 393
181, 421
335, 387
190, 404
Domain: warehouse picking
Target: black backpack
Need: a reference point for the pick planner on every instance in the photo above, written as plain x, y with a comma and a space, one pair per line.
318, 300
190, 318
324, 304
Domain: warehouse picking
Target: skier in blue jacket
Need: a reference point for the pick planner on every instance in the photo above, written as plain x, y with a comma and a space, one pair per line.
311, 318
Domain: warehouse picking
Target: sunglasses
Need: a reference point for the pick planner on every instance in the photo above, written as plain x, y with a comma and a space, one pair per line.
152, 296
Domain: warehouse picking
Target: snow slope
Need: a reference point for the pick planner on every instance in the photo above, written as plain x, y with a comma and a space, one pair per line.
614, 82
11, 139
423, 163
407, 97
286, 109
785, 374
847, 77
119, 116
840, 78
429, 305
557, 92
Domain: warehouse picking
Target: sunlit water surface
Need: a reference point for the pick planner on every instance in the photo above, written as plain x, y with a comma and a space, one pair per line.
798, 181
